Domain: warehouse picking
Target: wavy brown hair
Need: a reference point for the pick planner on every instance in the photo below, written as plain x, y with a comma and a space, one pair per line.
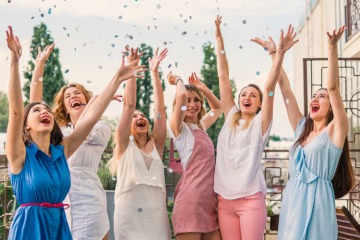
199, 94
343, 179
237, 116
55, 135
58, 106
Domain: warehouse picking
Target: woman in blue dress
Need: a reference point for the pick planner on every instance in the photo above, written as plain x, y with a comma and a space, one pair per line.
320, 166
37, 153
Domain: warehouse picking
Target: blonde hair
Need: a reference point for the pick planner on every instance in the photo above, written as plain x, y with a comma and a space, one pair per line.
58, 106
112, 163
237, 116
198, 94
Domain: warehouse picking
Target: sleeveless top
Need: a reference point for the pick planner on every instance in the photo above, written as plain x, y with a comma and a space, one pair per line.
132, 170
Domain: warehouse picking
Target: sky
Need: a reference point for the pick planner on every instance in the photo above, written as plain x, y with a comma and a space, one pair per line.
98, 22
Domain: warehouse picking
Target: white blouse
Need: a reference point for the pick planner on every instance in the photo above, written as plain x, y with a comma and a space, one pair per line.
185, 142
87, 216
238, 171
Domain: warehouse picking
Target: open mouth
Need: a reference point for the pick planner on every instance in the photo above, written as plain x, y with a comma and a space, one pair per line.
75, 104
141, 123
45, 120
192, 110
246, 104
315, 108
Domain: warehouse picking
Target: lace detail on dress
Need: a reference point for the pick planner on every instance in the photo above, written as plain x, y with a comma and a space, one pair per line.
147, 159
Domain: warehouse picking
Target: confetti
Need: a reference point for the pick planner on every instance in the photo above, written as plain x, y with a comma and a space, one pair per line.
75, 48
170, 170
125, 6
64, 28
88, 81
32, 17
67, 70
267, 28
158, 6
170, 42
185, 21
265, 49
225, 24
205, 44
100, 67
180, 15
222, 51
287, 101
154, 19
176, 64
169, 66
54, 6
244, 22
120, 17
40, 79
158, 115
139, 210
155, 27
131, 137
113, 45
42, 15
148, 27
131, 37
6, 58
241, 47
35, 82
187, 3
114, 179
154, 178
184, 33
257, 73
192, 47
212, 114
271, 94
68, 35
84, 44
183, 108
211, 58
77, 29
205, 32
190, 17
126, 54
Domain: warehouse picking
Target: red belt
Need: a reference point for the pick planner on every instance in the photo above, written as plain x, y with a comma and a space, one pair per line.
47, 205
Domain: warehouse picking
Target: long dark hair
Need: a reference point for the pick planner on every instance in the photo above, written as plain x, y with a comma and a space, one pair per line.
56, 135
343, 179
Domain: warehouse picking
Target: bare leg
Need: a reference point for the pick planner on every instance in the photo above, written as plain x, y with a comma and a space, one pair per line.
188, 236
211, 236
106, 236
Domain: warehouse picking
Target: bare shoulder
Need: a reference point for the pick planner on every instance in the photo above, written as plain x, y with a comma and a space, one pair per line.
159, 148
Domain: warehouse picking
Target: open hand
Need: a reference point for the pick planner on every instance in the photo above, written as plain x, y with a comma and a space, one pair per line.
117, 98
172, 78
217, 25
286, 42
194, 80
44, 55
334, 38
130, 70
14, 45
154, 63
132, 54
271, 46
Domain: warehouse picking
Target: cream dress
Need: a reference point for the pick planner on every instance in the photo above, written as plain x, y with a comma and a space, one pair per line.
87, 216
140, 197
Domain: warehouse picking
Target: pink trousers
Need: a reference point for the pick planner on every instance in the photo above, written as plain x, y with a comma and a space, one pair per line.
242, 218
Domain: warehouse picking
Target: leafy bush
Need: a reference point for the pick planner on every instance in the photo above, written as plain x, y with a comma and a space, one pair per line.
108, 182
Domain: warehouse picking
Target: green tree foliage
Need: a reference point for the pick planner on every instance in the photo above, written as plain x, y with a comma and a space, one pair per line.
4, 111
53, 78
211, 80
273, 138
144, 89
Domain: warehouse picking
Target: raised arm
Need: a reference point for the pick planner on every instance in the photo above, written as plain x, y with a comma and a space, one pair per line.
339, 127
74, 140
291, 104
36, 86
177, 119
159, 129
123, 129
214, 102
285, 43
15, 147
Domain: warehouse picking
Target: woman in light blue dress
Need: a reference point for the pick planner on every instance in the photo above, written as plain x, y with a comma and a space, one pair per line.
37, 153
319, 165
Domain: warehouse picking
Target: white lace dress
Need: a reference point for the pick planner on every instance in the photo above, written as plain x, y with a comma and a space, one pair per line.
87, 216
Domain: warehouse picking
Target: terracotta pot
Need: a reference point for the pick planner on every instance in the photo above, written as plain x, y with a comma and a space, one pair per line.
274, 222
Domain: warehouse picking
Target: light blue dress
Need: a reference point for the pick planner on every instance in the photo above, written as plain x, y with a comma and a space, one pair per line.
308, 206
42, 179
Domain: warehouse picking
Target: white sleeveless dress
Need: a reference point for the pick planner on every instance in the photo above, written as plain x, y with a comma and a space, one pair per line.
140, 197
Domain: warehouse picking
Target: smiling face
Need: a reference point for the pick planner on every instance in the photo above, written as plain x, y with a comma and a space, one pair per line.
140, 124
193, 107
249, 101
39, 120
320, 105
73, 98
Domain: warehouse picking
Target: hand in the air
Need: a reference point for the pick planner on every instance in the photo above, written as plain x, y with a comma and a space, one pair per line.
172, 78
286, 42
271, 46
44, 55
132, 55
194, 80
14, 45
154, 63
335, 37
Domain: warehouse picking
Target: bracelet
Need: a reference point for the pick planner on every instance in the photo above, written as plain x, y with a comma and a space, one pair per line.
278, 68
272, 52
178, 80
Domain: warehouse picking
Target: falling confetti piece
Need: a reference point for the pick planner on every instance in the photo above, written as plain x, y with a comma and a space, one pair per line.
113, 45
154, 19
114, 179
158, 6
265, 49
131, 37
148, 27
68, 35
271, 94
211, 58
42, 15
120, 17
126, 53
169, 66
257, 73
64, 28
184, 33
225, 24
139, 210
170, 170
155, 27
32, 17
165, 43
187, 3
176, 64
241, 47
75, 48
154, 178
40, 79
267, 28
35, 82
183, 108
212, 114
185, 21
77, 29
88, 81
125, 6
287, 101
54, 6
244, 22
218, 8
205, 32
192, 47
160, 68
100, 67
131, 137
222, 51
66, 82
116, 36
143, 95
84, 44
67, 70
190, 17
6, 58
180, 15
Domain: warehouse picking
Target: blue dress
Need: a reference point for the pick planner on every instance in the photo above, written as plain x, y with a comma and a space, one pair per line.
308, 206
42, 179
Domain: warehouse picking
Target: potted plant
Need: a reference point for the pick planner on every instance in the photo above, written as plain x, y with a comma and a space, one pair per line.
274, 218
